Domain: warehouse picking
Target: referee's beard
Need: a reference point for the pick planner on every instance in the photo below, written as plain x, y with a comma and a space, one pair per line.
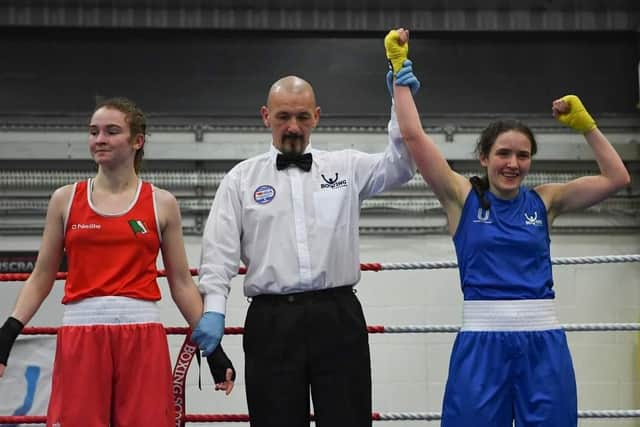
292, 144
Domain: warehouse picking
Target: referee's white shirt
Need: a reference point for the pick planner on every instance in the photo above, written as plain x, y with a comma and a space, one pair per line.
295, 231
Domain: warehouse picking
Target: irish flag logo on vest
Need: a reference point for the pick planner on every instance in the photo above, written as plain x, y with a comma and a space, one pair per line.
138, 226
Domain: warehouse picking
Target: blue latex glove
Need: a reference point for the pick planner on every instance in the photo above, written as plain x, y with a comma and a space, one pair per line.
405, 77
390, 82
209, 332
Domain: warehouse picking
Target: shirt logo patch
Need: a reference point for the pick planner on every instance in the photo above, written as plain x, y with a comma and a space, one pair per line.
86, 226
483, 216
333, 183
532, 219
138, 226
264, 194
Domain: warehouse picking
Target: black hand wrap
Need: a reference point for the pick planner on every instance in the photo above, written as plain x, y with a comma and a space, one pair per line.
218, 365
8, 334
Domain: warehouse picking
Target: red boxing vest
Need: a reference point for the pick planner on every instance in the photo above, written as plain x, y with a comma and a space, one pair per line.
111, 255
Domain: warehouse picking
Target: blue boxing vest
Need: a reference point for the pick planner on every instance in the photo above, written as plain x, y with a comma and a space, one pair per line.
503, 253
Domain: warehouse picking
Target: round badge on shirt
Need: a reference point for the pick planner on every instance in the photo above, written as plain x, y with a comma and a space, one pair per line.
264, 194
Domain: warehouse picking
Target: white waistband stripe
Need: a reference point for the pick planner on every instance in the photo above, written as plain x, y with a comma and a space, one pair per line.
512, 315
110, 310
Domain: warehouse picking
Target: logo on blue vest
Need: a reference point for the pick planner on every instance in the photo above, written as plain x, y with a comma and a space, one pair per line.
483, 216
264, 194
532, 219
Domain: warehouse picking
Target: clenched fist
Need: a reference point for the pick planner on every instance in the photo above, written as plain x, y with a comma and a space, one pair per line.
396, 46
570, 111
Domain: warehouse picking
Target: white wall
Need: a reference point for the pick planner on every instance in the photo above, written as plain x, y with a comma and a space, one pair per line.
409, 370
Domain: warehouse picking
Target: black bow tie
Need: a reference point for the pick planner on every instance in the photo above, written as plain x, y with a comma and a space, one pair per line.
303, 161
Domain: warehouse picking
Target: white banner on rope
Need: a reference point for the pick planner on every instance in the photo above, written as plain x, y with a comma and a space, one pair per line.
26, 384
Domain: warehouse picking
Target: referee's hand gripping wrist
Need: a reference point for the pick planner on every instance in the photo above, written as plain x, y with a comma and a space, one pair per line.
208, 333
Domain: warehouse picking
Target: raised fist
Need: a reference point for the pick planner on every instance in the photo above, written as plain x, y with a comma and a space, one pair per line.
396, 46
570, 111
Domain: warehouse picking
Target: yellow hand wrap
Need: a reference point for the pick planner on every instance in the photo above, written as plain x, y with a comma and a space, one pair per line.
396, 53
577, 117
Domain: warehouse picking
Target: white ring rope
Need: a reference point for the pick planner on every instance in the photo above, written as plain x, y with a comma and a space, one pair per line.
603, 259
433, 416
578, 327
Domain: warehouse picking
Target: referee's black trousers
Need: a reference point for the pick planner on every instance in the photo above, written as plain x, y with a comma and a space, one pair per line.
310, 343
